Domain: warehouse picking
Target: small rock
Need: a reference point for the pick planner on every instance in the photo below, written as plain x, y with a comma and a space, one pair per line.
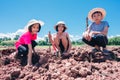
15, 74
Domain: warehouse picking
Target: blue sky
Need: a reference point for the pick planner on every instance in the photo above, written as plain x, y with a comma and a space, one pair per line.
14, 14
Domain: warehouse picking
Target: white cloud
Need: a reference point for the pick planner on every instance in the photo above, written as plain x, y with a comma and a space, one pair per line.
19, 31
75, 37
12, 35
40, 38
113, 36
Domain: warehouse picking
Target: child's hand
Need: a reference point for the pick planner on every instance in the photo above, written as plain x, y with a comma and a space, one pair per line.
90, 36
86, 36
91, 33
49, 35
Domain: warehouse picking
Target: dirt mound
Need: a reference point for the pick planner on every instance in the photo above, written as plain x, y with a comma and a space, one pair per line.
81, 64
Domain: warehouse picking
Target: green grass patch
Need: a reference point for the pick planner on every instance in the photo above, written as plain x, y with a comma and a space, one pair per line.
2, 48
42, 47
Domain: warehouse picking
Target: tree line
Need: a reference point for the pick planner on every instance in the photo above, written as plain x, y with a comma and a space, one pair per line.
114, 41
10, 42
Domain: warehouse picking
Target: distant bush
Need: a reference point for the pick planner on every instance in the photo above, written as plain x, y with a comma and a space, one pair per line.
7, 43
114, 41
77, 43
42, 43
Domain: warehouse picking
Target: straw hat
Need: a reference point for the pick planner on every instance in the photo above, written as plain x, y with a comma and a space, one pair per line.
34, 21
58, 23
94, 10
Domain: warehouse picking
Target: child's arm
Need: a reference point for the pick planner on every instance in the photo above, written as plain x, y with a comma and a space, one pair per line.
104, 32
86, 34
52, 42
29, 62
88, 30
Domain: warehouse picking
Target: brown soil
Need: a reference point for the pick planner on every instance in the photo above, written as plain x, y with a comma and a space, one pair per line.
81, 64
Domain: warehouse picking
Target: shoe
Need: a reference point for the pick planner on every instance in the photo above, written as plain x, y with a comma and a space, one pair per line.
95, 50
106, 52
66, 55
57, 54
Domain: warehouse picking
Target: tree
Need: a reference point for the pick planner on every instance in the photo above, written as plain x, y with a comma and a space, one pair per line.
46, 39
114, 41
0, 40
16, 37
73, 42
42, 43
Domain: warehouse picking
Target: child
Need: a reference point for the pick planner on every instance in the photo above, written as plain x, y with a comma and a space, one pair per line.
61, 39
96, 33
26, 43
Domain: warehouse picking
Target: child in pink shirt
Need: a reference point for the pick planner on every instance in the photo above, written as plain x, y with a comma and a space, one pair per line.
26, 43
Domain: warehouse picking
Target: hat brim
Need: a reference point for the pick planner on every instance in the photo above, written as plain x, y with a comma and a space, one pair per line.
33, 21
39, 22
94, 10
55, 27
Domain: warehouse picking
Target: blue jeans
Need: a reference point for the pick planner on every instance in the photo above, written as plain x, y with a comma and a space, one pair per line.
23, 49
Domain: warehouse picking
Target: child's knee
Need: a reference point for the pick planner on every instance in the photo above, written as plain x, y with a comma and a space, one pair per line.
64, 39
56, 41
22, 50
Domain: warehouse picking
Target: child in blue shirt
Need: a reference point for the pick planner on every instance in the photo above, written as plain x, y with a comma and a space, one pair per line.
96, 33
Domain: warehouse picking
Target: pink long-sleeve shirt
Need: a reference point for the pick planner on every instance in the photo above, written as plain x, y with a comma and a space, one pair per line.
25, 38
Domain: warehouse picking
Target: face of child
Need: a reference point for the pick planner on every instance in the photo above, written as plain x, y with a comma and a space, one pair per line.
35, 28
60, 28
97, 17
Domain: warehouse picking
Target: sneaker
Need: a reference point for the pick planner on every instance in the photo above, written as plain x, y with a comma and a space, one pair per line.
95, 50
57, 54
106, 52
66, 55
